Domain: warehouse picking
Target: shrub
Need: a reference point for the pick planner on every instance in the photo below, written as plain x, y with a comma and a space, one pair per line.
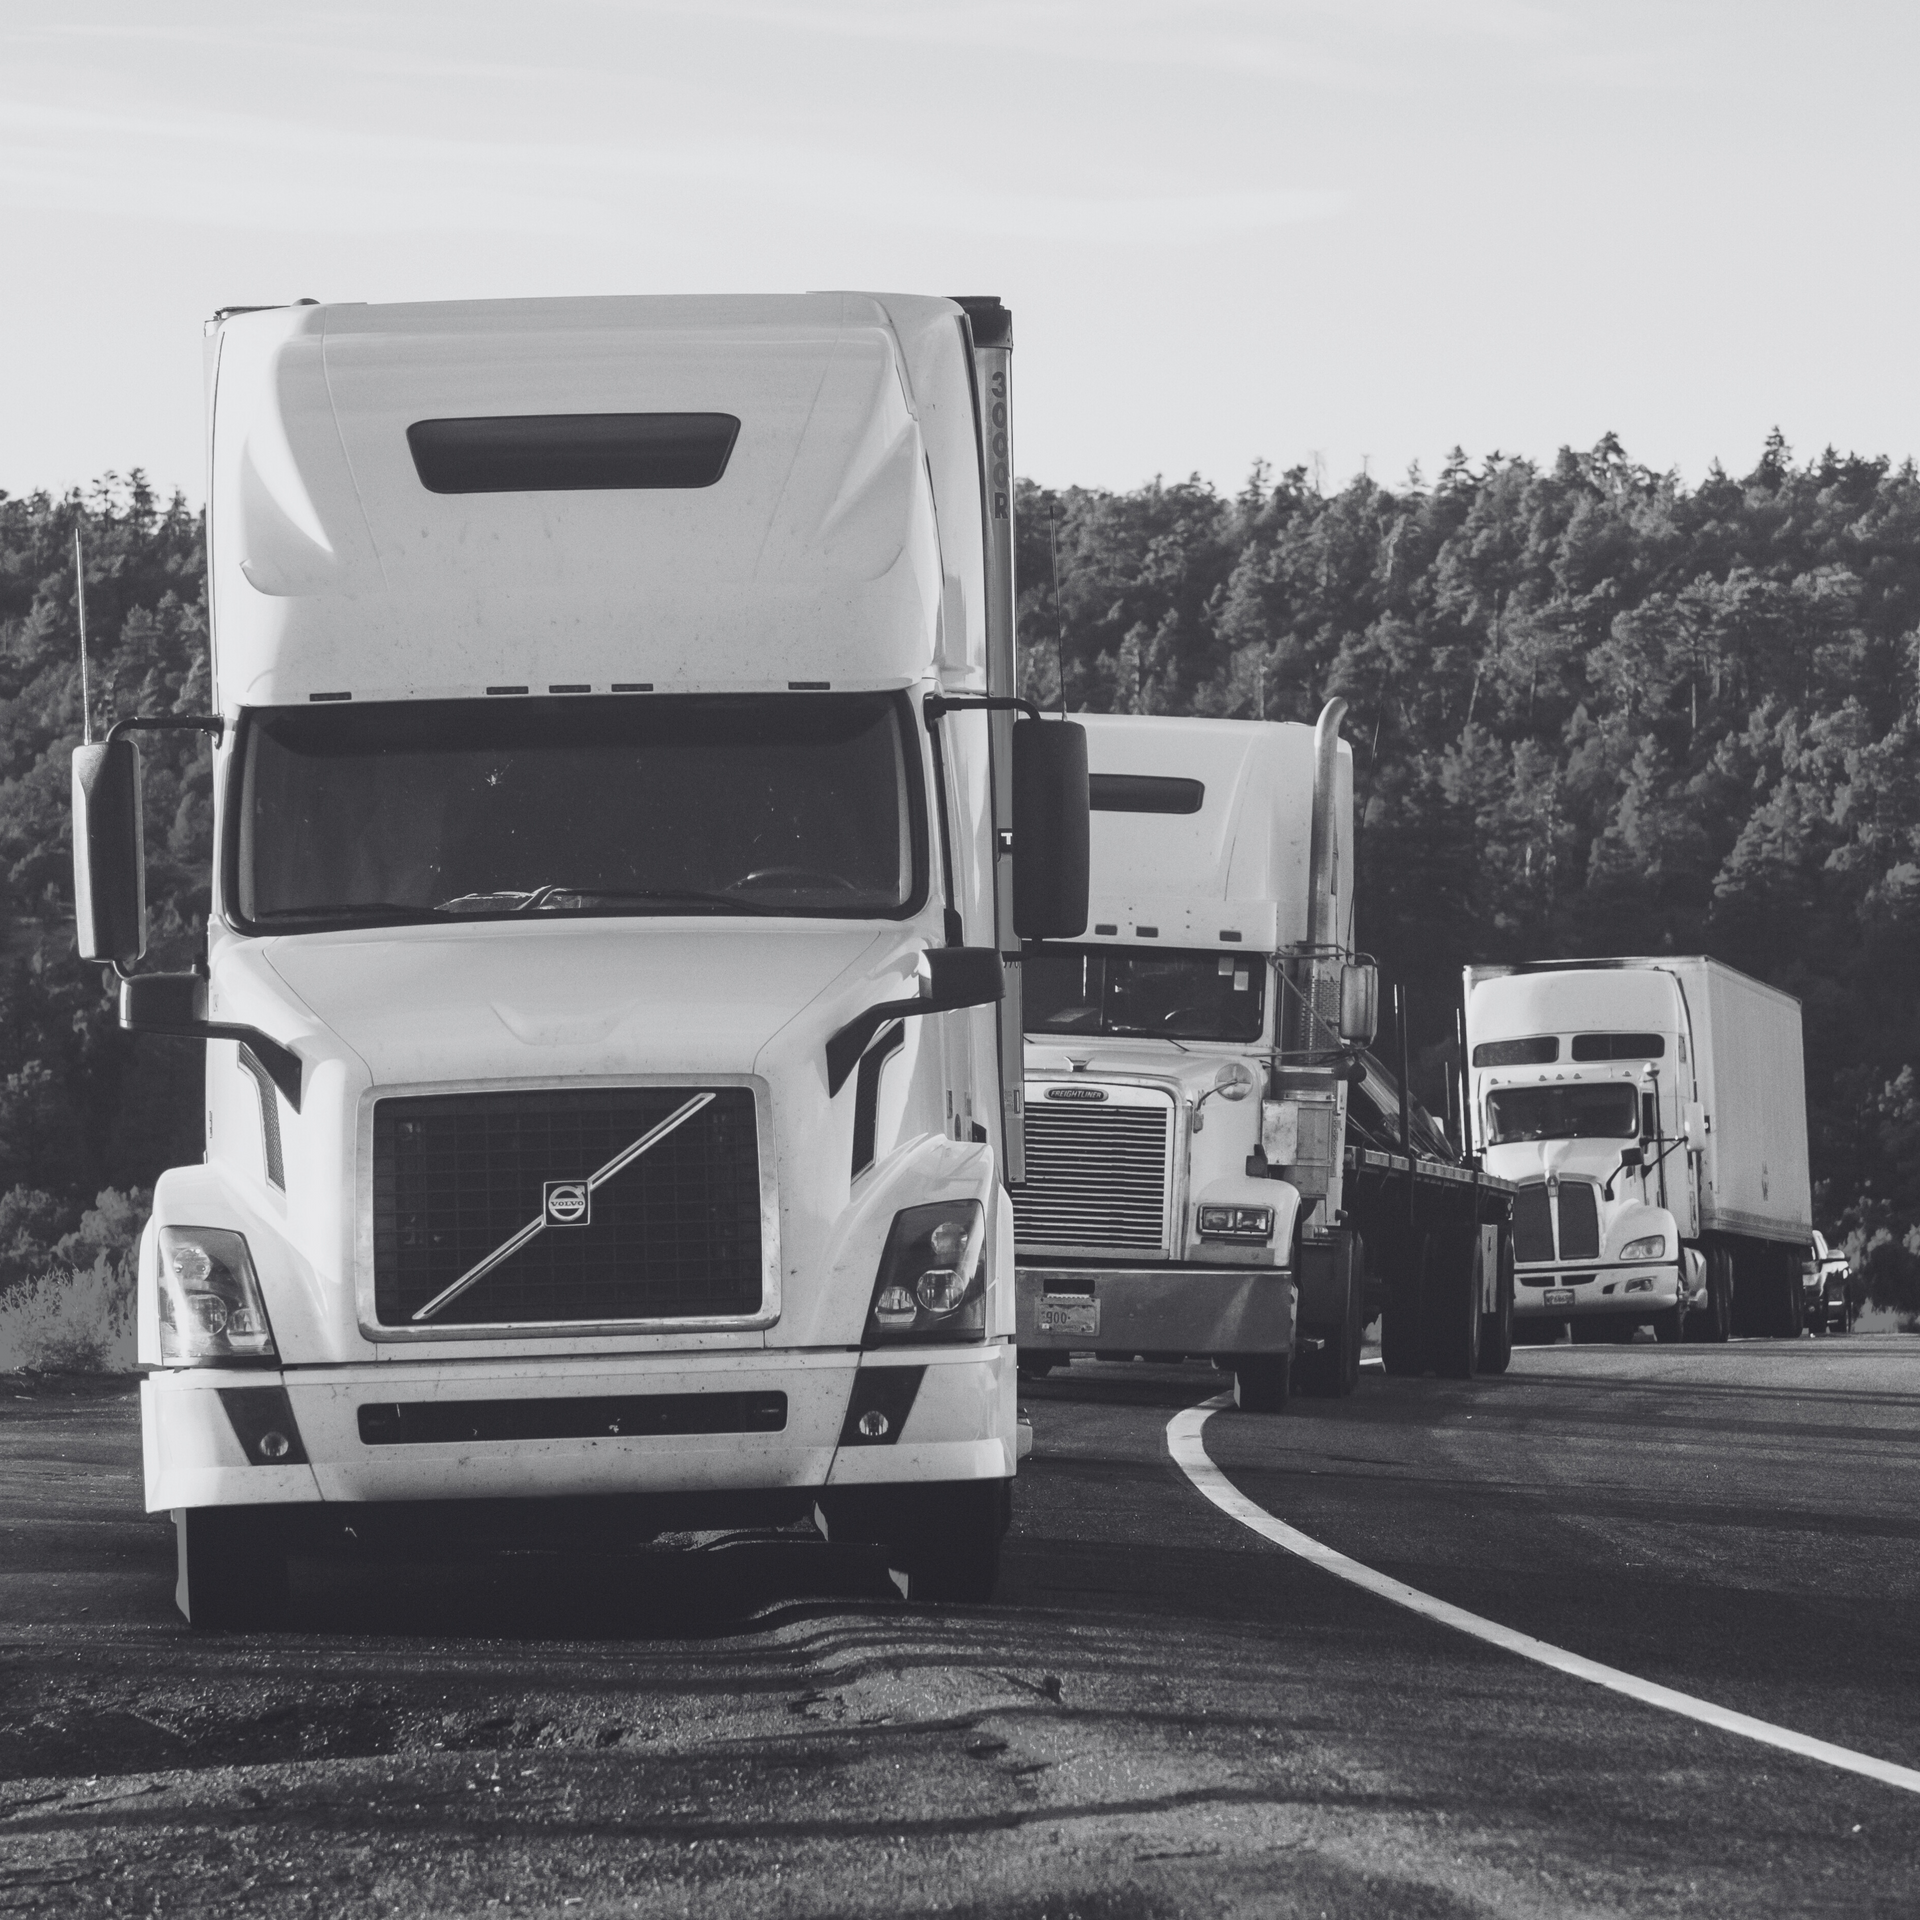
70, 1322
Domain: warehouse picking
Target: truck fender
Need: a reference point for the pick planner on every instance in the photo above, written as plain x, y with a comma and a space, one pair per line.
1240, 1190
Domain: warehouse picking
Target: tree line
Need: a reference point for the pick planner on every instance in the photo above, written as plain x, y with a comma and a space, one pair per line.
1594, 711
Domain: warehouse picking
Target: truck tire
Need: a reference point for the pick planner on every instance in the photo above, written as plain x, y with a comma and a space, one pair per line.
1712, 1324
1496, 1328
232, 1566
1450, 1295
1670, 1328
945, 1548
1333, 1371
1260, 1381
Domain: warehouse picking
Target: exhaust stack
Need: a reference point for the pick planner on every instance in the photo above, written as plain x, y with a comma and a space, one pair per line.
1321, 930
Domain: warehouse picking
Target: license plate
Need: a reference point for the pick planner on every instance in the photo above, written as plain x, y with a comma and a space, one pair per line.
1558, 1297
1067, 1315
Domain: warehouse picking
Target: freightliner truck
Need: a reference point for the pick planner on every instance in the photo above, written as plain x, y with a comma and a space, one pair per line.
1653, 1115
623, 815
1217, 1166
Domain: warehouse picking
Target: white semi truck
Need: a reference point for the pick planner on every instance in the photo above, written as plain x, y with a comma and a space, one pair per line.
1216, 1166
1653, 1115
622, 818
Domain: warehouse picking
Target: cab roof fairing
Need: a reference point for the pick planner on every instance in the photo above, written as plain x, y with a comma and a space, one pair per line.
1517, 1006
1239, 863
815, 557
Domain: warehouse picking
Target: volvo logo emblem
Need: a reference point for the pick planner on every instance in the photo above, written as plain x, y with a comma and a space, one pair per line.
1076, 1093
568, 1203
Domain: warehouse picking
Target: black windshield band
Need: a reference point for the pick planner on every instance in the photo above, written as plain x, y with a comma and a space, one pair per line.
712, 806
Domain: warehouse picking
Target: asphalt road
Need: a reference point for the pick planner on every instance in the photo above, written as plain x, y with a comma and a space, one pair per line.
1162, 1715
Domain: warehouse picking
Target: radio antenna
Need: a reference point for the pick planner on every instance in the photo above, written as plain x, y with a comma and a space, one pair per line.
1059, 612
80, 599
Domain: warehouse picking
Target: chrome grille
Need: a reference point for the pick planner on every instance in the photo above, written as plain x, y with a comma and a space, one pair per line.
1579, 1221
1097, 1175
1532, 1223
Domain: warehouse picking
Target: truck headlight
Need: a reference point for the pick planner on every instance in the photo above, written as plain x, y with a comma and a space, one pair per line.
932, 1283
1236, 1223
1652, 1246
210, 1305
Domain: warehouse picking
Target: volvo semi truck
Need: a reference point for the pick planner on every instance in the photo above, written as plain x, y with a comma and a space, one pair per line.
623, 822
1217, 1165
1653, 1115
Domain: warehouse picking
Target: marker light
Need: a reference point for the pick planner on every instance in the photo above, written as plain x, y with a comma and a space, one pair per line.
1652, 1246
210, 1305
932, 1280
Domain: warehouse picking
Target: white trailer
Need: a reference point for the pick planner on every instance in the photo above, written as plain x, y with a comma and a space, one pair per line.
1653, 1112
1216, 1167
621, 822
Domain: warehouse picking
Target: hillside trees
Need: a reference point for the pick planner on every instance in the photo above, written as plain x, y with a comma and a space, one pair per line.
1593, 710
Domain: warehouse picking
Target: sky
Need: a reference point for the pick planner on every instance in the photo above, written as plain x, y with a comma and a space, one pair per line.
1341, 234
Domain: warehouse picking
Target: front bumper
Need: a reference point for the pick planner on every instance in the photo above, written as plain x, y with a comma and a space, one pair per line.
961, 1425
1196, 1310
1597, 1292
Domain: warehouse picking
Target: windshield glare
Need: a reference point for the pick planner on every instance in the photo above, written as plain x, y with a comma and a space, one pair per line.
1171, 996
1603, 1111
798, 804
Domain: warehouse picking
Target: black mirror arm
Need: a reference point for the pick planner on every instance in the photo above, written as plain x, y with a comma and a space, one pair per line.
171, 1007
938, 705
208, 723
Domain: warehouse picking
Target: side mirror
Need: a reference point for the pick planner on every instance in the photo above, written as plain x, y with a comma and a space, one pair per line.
109, 853
1049, 830
1695, 1127
1630, 1157
1359, 1002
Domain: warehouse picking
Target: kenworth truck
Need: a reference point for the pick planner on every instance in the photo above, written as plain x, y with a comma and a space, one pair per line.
1216, 1165
1653, 1114
612, 1085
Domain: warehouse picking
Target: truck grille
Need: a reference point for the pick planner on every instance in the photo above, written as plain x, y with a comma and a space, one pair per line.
1532, 1223
1097, 1174
673, 1235
1579, 1221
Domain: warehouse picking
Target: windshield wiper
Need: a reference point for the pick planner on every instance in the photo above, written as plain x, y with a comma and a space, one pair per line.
515, 901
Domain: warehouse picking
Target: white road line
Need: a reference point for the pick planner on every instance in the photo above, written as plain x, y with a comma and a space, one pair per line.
1185, 1443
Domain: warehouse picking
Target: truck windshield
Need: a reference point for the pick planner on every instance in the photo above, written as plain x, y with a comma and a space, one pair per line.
1602, 1111
793, 804
1172, 996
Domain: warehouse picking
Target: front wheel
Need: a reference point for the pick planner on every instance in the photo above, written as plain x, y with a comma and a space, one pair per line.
948, 1550
1714, 1322
232, 1566
1260, 1381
